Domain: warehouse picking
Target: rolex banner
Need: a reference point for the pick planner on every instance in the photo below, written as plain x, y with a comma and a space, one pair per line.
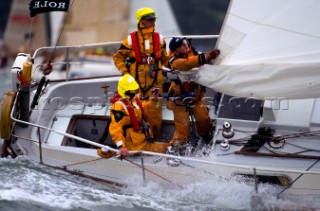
41, 6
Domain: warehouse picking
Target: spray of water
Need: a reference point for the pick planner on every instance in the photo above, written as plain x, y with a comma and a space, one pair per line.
27, 185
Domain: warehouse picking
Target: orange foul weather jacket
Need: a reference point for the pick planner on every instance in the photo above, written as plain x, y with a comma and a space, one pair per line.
124, 134
148, 75
177, 89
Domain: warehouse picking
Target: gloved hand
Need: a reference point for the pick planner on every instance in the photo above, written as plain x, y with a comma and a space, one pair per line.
214, 54
124, 151
150, 60
155, 94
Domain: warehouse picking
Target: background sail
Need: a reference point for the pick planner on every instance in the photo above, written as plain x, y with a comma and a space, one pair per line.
18, 35
109, 20
269, 48
166, 23
96, 21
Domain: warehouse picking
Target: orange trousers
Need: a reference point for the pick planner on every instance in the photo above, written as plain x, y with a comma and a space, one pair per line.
153, 115
182, 121
160, 147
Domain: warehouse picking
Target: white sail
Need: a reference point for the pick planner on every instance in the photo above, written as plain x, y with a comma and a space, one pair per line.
269, 48
56, 21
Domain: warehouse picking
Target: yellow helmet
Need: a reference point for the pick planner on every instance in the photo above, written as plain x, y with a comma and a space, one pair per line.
143, 12
127, 83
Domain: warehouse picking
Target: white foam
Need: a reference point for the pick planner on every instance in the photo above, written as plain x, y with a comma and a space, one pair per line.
33, 183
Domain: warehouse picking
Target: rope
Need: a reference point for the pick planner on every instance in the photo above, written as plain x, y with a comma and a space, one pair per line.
29, 36
285, 136
148, 170
107, 183
88, 161
190, 166
65, 166
63, 25
297, 178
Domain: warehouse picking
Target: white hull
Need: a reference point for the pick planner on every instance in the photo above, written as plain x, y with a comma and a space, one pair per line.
119, 172
53, 119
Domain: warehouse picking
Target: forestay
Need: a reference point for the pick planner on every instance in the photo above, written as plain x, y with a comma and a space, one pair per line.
269, 48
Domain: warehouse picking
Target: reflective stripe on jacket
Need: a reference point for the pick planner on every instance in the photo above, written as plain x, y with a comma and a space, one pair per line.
141, 71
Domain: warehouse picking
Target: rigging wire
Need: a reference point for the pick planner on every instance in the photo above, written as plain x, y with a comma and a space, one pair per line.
63, 25
29, 36
48, 68
278, 195
83, 162
136, 164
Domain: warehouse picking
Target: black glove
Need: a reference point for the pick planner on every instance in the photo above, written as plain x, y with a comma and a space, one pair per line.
214, 54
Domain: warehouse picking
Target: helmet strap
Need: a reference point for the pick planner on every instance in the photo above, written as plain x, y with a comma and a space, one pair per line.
131, 95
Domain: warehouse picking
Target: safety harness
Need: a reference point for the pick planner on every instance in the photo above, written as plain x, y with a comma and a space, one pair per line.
135, 124
136, 47
142, 58
188, 88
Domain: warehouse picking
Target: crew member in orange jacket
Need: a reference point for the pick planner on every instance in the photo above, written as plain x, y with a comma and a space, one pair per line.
184, 57
142, 55
127, 128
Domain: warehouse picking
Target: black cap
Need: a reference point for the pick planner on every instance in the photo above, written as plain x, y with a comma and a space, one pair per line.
175, 43
147, 17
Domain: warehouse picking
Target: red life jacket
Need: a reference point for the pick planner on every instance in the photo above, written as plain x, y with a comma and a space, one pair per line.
136, 46
136, 125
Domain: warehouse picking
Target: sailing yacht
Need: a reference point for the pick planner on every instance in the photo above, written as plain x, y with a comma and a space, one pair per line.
64, 123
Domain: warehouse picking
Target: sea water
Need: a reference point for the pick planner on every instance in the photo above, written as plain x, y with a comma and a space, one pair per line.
5, 81
26, 185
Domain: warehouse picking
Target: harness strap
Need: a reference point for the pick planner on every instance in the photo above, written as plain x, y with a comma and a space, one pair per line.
139, 56
134, 122
136, 125
156, 45
136, 47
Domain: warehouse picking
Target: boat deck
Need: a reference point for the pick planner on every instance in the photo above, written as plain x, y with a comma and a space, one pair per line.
91, 122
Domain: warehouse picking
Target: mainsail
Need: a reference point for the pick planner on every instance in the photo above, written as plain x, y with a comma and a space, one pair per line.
269, 48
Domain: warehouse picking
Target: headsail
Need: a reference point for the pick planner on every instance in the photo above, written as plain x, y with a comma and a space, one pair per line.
269, 48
